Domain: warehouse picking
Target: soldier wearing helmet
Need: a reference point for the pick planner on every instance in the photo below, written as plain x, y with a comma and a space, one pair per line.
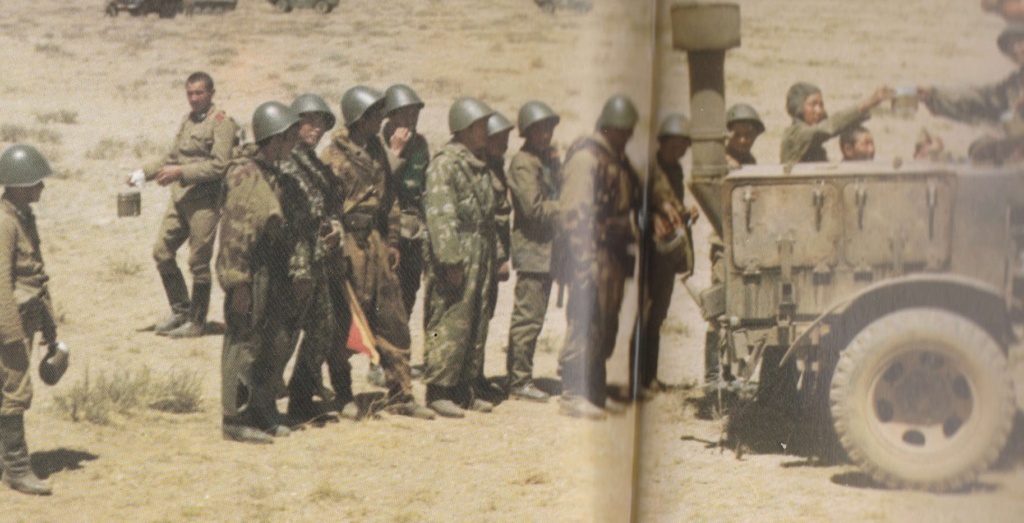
371, 219
461, 255
256, 244
22, 313
314, 267
498, 130
668, 251
744, 125
409, 156
194, 170
535, 180
600, 195
804, 140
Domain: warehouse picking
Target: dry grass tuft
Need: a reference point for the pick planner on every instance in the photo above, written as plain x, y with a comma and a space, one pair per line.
102, 399
64, 116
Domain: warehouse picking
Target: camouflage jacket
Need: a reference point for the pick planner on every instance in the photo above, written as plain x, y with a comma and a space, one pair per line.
202, 147
534, 181
459, 204
253, 229
805, 143
666, 185
990, 104
600, 195
502, 207
313, 206
24, 279
364, 186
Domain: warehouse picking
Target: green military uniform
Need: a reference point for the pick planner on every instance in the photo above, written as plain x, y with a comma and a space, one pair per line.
741, 157
409, 174
534, 182
256, 245
372, 220
666, 188
25, 306
599, 194
502, 223
202, 147
805, 143
323, 312
460, 214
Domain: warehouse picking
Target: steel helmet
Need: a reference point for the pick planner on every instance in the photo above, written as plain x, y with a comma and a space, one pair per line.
270, 119
532, 112
53, 366
465, 111
675, 124
22, 166
398, 96
744, 113
311, 103
1008, 36
357, 100
498, 124
618, 113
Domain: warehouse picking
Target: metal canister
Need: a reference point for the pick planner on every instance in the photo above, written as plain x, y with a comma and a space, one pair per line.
904, 103
129, 203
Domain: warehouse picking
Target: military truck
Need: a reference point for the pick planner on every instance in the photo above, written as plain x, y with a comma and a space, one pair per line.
884, 297
166, 8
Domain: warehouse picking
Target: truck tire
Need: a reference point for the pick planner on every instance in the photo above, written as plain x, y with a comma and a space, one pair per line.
921, 398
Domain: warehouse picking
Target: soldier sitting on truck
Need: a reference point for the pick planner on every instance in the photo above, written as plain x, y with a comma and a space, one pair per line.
744, 125
812, 127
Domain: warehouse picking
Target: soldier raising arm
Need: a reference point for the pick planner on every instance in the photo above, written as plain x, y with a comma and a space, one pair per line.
804, 140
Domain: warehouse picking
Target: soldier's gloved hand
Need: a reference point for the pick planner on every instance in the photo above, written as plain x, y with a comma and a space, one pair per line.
503, 272
169, 174
394, 256
136, 178
241, 299
453, 275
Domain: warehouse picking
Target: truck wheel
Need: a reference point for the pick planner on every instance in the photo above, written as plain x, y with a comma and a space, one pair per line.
322, 7
283, 6
922, 399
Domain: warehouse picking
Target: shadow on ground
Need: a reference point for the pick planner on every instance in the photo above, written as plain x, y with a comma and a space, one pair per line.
49, 462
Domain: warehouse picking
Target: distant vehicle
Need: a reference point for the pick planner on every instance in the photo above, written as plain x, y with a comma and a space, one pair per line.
166, 8
321, 6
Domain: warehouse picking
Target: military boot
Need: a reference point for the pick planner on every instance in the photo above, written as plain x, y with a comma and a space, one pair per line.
440, 401
177, 295
196, 324
17, 468
579, 407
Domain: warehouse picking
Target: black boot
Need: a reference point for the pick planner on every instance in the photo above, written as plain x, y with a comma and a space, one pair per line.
196, 324
16, 464
177, 296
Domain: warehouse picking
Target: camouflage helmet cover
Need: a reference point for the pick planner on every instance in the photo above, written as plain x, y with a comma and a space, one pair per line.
271, 119
618, 113
742, 112
675, 124
356, 101
498, 124
311, 103
22, 166
532, 112
398, 96
465, 111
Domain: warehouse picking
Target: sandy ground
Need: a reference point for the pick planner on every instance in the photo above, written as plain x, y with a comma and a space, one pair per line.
122, 78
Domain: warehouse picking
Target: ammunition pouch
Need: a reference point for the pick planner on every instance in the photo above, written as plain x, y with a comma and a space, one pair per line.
359, 226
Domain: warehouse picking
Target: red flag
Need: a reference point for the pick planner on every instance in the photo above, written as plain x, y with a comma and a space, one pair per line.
360, 337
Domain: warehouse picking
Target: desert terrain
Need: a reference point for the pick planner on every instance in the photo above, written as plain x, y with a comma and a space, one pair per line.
99, 95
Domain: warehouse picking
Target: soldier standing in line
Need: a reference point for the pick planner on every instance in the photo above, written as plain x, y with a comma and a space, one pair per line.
804, 140
371, 221
744, 125
600, 194
460, 210
252, 267
194, 169
25, 308
402, 107
317, 271
660, 265
534, 180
